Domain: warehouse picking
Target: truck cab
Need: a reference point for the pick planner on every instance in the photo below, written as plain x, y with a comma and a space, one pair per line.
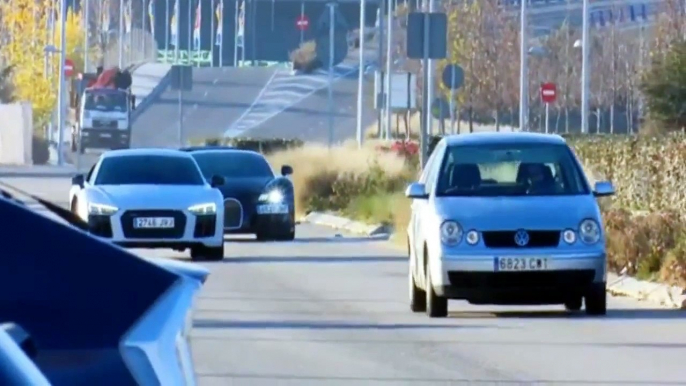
104, 120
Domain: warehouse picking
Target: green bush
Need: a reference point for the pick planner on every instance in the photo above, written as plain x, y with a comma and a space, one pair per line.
664, 87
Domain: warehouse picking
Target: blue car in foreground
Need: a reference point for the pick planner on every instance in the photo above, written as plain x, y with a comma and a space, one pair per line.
507, 219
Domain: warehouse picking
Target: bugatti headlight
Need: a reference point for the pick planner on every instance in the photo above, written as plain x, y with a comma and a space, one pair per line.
207, 208
101, 209
273, 196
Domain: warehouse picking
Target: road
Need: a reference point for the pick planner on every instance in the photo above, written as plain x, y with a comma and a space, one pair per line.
332, 309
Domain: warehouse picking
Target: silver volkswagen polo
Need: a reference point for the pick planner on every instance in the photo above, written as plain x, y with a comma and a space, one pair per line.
507, 219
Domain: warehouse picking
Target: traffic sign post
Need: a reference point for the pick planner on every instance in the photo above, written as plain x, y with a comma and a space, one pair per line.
68, 68
548, 96
453, 78
302, 23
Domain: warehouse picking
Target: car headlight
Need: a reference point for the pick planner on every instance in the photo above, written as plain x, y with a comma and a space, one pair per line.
589, 231
451, 233
274, 197
569, 236
208, 208
472, 237
101, 209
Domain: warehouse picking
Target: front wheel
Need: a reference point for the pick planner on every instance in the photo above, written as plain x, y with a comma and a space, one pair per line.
436, 305
203, 253
596, 300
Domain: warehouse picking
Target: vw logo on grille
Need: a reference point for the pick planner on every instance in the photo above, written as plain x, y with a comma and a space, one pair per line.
521, 238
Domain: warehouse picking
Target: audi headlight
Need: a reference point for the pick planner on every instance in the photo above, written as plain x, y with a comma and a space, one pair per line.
451, 233
101, 209
589, 231
200, 209
274, 197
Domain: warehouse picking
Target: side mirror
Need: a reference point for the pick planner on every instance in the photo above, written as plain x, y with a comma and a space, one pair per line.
78, 180
603, 189
417, 191
217, 181
286, 170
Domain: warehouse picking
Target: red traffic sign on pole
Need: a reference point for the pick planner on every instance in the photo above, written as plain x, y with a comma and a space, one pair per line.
302, 23
548, 92
68, 67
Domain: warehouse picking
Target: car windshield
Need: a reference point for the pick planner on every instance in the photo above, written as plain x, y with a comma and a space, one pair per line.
233, 164
510, 170
109, 101
148, 170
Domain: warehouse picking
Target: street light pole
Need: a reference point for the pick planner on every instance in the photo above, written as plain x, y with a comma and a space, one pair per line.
389, 70
86, 28
524, 71
584, 69
360, 75
61, 86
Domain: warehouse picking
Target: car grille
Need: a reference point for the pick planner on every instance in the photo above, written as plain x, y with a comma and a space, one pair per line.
173, 233
233, 214
100, 225
504, 280
506, 239
104, 124
205, 225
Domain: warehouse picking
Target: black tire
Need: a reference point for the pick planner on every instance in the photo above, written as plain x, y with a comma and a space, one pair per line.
263, 236
287, 235
573, 304
207, 253
73, 206
417, 295
436, 306
73, 145
82, 149
596, 300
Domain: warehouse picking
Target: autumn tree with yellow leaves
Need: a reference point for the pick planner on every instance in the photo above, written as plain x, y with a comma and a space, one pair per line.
25, 27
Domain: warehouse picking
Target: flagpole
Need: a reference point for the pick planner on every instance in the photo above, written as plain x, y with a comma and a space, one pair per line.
198, 17
212, 37
166, 28
177, 27
190, 32
143, 24
221, 29
235, 37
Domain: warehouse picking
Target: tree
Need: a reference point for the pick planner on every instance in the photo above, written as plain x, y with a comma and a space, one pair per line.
664, 86
25, 23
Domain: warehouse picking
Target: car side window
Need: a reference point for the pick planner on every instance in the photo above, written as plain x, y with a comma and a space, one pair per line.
90, 174
429, 164
432, 170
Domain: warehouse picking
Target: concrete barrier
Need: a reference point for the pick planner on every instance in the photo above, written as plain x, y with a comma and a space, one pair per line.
16, 134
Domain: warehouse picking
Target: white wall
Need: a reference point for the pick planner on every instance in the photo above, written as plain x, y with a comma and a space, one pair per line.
16, 134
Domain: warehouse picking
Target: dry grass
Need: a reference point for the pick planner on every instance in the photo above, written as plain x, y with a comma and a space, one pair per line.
317, 164
305, 57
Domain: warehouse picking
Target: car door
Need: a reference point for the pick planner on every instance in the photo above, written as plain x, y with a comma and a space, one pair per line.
422, 207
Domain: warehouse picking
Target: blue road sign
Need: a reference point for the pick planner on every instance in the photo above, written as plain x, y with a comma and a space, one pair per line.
453, 76
438, 35
440, 108
340, 49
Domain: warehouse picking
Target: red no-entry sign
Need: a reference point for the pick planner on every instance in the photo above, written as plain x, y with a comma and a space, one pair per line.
302, 22
548, 92
68, 67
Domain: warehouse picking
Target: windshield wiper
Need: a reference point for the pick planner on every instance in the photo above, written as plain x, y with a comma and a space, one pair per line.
60, 212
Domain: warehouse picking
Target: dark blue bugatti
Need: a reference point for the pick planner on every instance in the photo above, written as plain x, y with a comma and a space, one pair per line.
256, 200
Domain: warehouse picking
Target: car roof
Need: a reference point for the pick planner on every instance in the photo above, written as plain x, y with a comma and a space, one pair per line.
492, 137
145, 151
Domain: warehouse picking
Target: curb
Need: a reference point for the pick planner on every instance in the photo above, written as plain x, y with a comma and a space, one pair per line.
666, 295
663, 294
342, 223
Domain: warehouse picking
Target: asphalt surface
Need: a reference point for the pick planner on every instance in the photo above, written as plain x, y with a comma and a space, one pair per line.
332, 309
